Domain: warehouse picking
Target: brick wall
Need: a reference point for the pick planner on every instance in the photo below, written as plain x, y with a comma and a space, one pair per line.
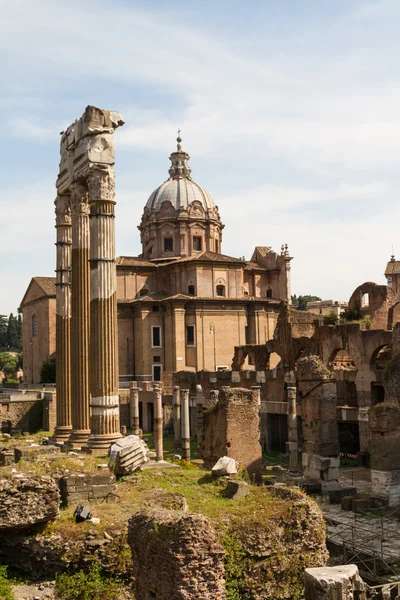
176, 556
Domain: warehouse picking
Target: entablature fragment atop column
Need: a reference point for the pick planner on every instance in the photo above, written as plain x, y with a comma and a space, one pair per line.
85, 144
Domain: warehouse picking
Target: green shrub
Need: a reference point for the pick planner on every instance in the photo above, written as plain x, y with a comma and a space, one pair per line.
330, 318
5, 585
86, 586
48, 371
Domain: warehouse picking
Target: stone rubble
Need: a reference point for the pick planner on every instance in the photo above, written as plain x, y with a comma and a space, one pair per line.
28, 500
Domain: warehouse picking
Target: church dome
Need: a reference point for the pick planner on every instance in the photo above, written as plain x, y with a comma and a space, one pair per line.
179, 189
181, 193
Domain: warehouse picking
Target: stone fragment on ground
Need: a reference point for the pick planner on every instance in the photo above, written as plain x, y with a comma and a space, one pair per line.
225, 466
33, 451
334, 583
237, 489
127, 455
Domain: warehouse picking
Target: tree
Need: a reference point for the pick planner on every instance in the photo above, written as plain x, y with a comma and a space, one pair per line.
12, 333
8, 363
48, 371
301, 302
3, 331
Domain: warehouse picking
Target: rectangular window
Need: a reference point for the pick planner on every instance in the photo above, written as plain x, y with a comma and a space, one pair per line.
196, 242
155, 308
191, 290
156, 336
168, 244
156, 372
190, 335
34, 326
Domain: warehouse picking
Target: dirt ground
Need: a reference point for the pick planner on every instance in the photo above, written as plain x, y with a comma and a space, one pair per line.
43, 590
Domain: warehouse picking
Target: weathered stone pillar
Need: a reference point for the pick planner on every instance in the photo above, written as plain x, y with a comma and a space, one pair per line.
200, 413
63, 319
158, 422
80, 300
193, 417
257, 391
185, 425
177, 416
292, 427
214, 395
104, 424
134, 402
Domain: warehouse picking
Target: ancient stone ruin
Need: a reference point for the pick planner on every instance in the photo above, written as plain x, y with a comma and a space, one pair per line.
176, 556
86, 341
232, 429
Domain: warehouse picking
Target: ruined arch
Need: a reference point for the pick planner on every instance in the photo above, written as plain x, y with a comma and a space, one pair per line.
380, 357
341, 359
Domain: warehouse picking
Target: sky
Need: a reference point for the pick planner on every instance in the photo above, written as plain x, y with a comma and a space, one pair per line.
289, 110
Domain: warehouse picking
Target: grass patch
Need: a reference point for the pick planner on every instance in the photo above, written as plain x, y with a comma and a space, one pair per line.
92, 585
5, 585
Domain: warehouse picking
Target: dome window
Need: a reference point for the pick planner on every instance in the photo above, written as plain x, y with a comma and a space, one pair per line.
197, 243
168, 244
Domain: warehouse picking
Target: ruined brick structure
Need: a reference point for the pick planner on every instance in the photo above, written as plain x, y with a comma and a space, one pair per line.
231, 428
176, 556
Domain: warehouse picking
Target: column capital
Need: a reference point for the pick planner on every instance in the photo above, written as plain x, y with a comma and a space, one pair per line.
101, 185
62, 210
79, 199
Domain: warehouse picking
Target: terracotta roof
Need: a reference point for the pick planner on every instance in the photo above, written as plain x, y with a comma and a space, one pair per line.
133, 261
48, 284
253, 266
393, 267
264, 250
208, 256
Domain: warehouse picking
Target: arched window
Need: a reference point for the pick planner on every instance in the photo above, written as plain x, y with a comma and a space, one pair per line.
220, 290
34, 326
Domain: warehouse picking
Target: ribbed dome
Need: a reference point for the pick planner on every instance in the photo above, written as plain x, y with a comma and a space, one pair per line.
179, 189
181, 193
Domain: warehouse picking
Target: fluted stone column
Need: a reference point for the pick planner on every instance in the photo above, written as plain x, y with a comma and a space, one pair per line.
158, 422
292, 427
185, 425
80, 300
104, 423
176, 405
134, 400
63, 319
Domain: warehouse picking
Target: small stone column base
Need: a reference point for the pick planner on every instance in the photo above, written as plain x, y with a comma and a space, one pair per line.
334, 583
320, 468
386, 485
